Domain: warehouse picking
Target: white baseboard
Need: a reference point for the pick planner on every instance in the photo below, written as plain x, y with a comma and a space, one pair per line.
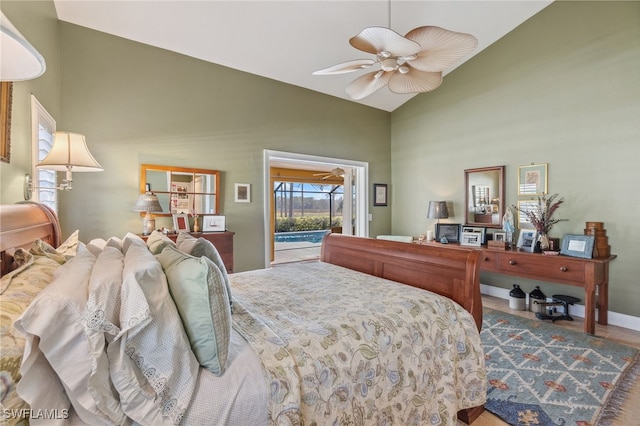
615, 318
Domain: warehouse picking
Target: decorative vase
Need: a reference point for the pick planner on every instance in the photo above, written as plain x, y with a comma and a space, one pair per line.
196, 225
543, 242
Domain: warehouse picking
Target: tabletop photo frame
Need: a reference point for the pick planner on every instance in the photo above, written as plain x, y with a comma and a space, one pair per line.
527, 240
451, 231
214, 224
181, 222
577, 245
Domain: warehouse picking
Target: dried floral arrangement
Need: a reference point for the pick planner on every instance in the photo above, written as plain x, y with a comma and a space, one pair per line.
541, 216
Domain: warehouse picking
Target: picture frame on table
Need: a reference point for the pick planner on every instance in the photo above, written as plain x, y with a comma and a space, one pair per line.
380, 194
477, 230
242, 193
532, 179
471, 239
578, 245
450, 231
214, 224
500, 237
181, 222
527, 240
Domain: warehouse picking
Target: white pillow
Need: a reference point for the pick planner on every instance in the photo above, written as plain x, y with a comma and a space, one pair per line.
200, 294
151, 363
132, 239
102, 324
54, 328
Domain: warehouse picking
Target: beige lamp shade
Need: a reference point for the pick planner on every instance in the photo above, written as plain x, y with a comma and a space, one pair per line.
70, 153
19, 60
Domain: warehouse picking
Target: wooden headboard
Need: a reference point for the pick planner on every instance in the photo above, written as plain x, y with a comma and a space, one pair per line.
451, 271
23, 223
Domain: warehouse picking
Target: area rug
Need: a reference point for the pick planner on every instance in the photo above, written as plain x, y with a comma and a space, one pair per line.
542, 374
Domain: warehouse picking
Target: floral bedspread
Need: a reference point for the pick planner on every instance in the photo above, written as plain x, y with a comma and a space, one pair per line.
341, 347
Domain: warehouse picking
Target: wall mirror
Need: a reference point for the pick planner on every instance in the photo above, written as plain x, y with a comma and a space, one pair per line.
182, 190
484, 199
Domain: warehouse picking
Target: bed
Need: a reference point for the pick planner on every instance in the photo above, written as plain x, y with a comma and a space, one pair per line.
354, 338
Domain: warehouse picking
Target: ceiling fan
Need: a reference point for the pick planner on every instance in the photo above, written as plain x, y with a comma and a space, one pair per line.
410, 64
337, 172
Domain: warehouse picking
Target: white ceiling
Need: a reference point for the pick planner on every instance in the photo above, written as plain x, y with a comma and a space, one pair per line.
288, 40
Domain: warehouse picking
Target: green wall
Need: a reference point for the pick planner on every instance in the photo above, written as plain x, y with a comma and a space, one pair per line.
138, 104
562, 89
37, 22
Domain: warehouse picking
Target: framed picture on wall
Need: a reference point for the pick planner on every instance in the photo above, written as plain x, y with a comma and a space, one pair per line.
243, 193
181, 222
380, 194
532, 180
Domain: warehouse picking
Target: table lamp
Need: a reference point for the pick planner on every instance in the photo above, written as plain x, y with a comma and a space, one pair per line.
148, 202
437, 210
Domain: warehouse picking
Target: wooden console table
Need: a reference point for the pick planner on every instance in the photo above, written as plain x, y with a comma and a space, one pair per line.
222, 240
587, 273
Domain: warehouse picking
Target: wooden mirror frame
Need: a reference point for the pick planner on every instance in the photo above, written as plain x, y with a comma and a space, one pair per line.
484, 219
145, 168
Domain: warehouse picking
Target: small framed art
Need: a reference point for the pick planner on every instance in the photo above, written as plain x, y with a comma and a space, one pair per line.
181, 222
476, 230
500, 237
578, 245
532, 180
450, 232
243, 193
471, 239
379, 194
213, 224
527, 240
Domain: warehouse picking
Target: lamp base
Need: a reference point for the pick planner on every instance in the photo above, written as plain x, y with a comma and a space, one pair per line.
148, 224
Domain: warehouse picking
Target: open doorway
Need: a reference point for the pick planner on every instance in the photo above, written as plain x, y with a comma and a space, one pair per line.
351, 184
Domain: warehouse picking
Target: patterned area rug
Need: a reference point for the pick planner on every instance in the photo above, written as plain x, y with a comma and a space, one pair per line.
541, 374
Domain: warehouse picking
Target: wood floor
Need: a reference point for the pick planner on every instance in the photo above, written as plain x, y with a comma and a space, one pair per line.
610, 332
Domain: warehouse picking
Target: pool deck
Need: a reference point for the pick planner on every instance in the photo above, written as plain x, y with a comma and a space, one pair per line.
286, 252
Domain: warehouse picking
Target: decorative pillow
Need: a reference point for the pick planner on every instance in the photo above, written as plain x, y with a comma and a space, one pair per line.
102, 323
157, 241
62, 304
96, 246
198, 247
132, 239
25, 285
151, 363
198, 289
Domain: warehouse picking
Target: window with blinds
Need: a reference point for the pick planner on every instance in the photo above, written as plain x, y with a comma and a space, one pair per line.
44, 181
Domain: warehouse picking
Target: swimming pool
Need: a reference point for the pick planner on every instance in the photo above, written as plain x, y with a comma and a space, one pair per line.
300, 236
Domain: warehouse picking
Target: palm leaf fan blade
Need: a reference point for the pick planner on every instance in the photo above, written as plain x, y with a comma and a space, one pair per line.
414, 81
346, 67
367, 84
440, 48
375, 40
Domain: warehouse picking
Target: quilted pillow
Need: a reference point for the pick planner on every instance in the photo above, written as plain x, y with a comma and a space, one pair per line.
198, 289
198, 247
157, 241
151, 363
23, 288
61, 303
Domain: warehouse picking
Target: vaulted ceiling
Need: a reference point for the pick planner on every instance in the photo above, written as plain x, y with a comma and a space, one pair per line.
288, 40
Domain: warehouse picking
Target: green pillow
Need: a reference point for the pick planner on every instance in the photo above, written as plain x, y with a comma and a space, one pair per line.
198, 247
157, 241
199, 292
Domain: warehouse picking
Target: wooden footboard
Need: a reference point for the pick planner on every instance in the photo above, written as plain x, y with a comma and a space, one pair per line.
453, 272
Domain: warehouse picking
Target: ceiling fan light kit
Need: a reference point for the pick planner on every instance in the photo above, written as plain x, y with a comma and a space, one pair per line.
410, 64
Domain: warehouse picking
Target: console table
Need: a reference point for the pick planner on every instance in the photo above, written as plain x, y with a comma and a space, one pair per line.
587, 273
222, 240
